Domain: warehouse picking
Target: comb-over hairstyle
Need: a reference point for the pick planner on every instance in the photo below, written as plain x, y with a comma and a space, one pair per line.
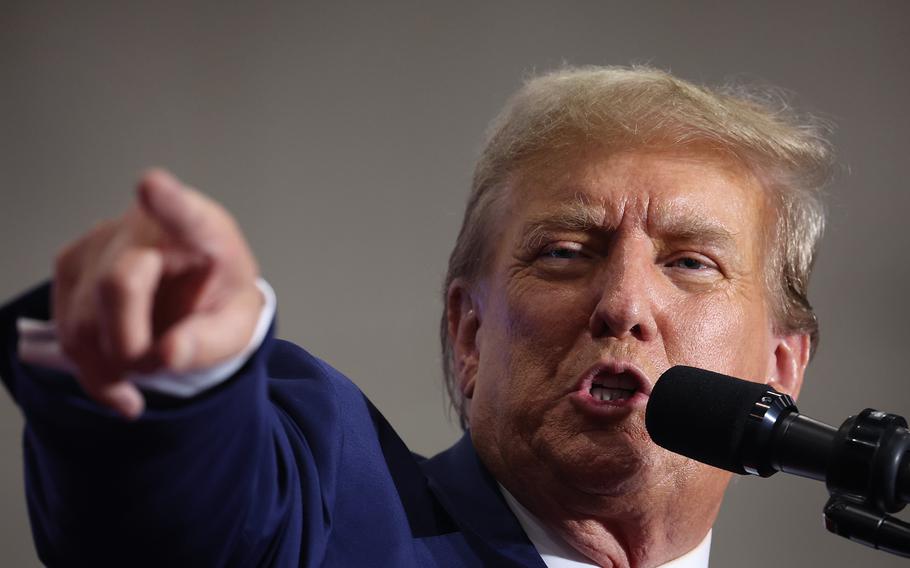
626, 108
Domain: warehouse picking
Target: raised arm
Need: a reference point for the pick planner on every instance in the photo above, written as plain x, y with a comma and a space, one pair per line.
170, 285
118, 476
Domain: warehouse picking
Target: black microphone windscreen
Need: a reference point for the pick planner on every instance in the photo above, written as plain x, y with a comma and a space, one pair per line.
702, 415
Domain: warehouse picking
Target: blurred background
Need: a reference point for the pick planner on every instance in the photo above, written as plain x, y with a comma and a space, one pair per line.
342, 136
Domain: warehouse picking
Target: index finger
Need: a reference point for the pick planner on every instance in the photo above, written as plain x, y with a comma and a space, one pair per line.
185, 214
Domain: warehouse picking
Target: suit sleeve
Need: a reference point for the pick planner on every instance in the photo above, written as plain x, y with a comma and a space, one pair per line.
222, 479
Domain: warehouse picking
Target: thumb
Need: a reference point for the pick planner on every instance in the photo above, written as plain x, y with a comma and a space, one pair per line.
207, 338
120, 395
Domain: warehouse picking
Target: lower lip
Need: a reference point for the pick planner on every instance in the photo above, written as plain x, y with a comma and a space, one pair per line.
608, 408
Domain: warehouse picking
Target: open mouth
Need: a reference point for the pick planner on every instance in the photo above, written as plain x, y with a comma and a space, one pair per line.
609, 387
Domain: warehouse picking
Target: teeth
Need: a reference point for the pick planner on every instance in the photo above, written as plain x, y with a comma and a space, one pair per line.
604, 393
621, 381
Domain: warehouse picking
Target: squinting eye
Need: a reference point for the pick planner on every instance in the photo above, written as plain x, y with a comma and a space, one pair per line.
688, 263
561, 253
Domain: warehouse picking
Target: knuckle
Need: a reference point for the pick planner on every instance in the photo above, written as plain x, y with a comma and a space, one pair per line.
123, 279
112, 286
71, 258
77, 338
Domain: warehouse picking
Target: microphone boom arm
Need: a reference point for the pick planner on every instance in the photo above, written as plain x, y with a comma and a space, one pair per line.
866, 469
746, 427
867, 479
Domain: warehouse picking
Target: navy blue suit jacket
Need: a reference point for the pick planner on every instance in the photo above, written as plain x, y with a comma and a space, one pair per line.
285, 464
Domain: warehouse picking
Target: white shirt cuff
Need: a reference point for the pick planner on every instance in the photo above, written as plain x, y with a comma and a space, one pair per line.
38, 345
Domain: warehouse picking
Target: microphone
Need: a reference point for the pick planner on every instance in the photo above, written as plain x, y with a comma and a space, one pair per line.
750, 428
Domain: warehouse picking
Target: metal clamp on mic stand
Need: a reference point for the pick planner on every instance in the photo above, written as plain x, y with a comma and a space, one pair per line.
868, 477
749, 428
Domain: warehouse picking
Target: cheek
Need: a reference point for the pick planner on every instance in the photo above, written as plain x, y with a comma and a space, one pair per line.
544, 322
724, 336
526, 334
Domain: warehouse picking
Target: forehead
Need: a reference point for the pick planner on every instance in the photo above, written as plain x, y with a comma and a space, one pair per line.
661, 190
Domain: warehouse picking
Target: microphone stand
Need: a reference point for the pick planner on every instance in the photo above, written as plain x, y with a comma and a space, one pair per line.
869, 477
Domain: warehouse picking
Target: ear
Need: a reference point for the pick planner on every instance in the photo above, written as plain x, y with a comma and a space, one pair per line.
462, 313
788, 363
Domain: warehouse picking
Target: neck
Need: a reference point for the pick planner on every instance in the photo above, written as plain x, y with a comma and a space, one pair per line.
620, 539
642, 521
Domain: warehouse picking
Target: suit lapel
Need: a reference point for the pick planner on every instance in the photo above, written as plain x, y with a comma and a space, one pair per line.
470, 494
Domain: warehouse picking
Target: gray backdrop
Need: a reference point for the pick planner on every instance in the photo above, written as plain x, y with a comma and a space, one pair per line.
342, 136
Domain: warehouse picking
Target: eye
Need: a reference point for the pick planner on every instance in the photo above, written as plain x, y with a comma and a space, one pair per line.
561, 251
688, 263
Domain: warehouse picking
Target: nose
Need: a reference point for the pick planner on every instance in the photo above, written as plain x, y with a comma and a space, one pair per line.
625, 304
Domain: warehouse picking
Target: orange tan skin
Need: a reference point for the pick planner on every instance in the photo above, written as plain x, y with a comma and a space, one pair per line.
665, 268
169, 285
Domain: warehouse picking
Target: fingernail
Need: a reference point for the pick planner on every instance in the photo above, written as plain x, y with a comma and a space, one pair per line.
161, 177
156, 185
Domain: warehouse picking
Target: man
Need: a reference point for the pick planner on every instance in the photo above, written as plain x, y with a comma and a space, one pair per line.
621, 222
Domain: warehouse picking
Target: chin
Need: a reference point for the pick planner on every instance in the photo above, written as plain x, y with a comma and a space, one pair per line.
597, 466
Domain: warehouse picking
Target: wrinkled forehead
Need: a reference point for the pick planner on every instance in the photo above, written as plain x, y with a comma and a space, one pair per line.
596, 185
684, 194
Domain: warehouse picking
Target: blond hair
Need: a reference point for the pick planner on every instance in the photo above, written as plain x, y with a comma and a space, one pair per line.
642, 107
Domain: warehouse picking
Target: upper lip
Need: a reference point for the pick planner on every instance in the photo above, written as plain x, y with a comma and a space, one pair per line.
615, 367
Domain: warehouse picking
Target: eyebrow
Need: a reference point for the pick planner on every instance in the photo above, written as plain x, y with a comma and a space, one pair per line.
696, 229
578, 215
584, 215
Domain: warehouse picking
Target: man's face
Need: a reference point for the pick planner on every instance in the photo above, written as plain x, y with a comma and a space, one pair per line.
608, 269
